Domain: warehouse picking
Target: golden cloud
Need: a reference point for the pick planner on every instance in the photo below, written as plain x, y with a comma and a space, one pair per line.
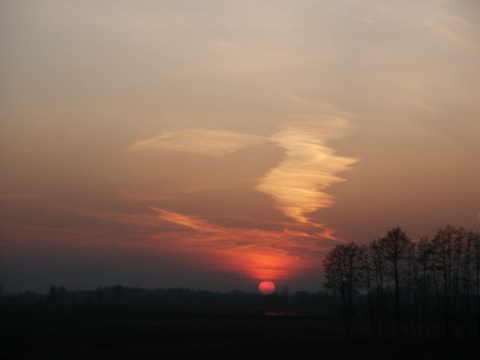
204, 142
310, 167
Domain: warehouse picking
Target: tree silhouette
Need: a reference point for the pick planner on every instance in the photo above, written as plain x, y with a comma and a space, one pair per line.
447, 247
343, 273
378, 265
394, 248
433, 281
423, 260
475, 238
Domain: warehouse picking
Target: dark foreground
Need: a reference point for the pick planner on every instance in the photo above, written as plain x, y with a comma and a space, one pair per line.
86, 335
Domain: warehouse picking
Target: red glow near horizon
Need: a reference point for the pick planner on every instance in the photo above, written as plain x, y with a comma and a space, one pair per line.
255, 253
259, 254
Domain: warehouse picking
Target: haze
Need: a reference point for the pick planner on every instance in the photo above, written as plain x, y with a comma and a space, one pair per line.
216, 144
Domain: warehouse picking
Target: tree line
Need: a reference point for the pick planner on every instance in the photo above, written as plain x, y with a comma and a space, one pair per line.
173, 301
429, 287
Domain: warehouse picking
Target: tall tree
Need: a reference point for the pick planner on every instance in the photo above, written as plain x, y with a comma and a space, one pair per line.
467, 280
395, 248
379, 271
475, 238
368, 278
446, 255
343, 274
424, 259
412, 288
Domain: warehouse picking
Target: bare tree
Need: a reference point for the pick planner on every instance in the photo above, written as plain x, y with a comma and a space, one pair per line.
343, 274
368, 278
433, 281
413, 281
467, 270
475, 238
424, 260
446, 258
395, 247
379, 271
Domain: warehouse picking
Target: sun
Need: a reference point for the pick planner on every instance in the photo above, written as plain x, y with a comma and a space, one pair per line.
266, 287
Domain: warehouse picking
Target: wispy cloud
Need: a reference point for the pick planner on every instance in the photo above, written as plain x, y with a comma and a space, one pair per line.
297, 183
260, 254
256, 253
202, 142
310, 167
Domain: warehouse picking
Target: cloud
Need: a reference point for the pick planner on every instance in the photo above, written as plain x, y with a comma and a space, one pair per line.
203, 142
187, 221
260, 254
257, 254
297, 182
310, 167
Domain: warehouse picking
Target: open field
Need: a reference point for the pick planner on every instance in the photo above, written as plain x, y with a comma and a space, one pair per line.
84, 335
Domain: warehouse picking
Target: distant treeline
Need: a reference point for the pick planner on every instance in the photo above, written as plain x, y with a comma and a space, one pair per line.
420, 289
184, 300
390, 287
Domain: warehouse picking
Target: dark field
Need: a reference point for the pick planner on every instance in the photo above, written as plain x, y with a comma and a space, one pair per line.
83, 334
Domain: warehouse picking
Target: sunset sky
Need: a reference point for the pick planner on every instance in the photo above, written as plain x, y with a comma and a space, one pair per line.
214, 144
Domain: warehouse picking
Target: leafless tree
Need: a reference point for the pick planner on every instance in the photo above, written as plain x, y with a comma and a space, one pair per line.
378, 263
394, 248
343, 274
446, 257
467, 279
475, 238
424, 264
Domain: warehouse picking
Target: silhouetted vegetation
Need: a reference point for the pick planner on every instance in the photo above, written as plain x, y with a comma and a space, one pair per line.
391, 296
122, 322
429, 288
175, 301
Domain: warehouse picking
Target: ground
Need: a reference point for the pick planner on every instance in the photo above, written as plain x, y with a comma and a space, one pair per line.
66, 335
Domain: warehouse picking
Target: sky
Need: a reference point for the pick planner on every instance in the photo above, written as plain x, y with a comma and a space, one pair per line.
215, 144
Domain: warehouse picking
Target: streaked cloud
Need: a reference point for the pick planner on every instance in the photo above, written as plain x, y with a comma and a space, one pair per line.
197, 133
256, 253
259, 254
202, 142
298, 182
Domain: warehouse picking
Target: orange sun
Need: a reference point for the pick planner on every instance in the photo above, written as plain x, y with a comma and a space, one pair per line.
266, 287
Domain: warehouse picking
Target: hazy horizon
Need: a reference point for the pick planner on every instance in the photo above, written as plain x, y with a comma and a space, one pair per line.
213, 145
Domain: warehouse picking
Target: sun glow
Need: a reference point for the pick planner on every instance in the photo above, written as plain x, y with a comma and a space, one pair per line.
266, 287
280, 254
